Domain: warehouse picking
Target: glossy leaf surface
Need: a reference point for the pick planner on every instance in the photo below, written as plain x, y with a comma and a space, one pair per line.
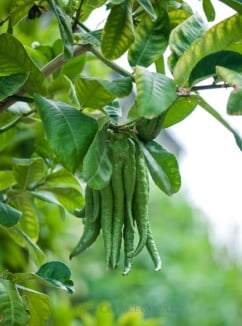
118, 31
151, 40
155, 93
163, 167
97, 168
10, 84
57, 274
218, 38
69, 131
9, 215
14, 60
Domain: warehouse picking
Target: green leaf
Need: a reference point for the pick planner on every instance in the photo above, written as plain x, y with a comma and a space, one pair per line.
10, 63
9, 216
19, 9
97, 168
63, 189
29, 222
209, 10
12, 309
207, 66
186, 33
235, 4
234, 105
63, 179
179, 110
69, 131
65, 27
89, 6
57, 274
177, 16
6, 179
218, 38
62, 89
74, 67
119, 87
95, 92
147, 6
229, 76
23, 240
151, 40
28, 172
232, 78
38, 305
155, 93
118, 31
163, 167
92, 94
68, 198
10, 84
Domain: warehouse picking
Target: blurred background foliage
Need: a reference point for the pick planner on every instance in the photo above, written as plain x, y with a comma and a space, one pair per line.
200, 283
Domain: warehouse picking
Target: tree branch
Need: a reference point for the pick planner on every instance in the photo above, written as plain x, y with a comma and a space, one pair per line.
58, 61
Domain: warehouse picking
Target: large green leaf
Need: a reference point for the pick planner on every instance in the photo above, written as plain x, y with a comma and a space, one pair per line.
70, 132
62, 89
29, 223
57, 274
12, 309
65, 27
29, 172
9, 216
155, 93
163, 167
186, 33
68, 198
179, 110
38, 305
151, 40
14, 59
92, 94
62, 179
10, 84
207, 66
218, 38
95, 92
235, 4
120, 87
97, 168
118, 31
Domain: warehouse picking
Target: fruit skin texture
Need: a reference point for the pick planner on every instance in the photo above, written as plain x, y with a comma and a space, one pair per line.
121, 207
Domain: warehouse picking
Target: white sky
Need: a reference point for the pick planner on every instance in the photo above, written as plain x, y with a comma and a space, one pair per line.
211, 168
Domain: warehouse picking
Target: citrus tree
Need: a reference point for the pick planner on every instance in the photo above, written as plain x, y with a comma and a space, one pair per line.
64, 126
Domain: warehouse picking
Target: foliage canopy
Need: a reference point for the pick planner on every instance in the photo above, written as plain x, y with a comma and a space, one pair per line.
57, 98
